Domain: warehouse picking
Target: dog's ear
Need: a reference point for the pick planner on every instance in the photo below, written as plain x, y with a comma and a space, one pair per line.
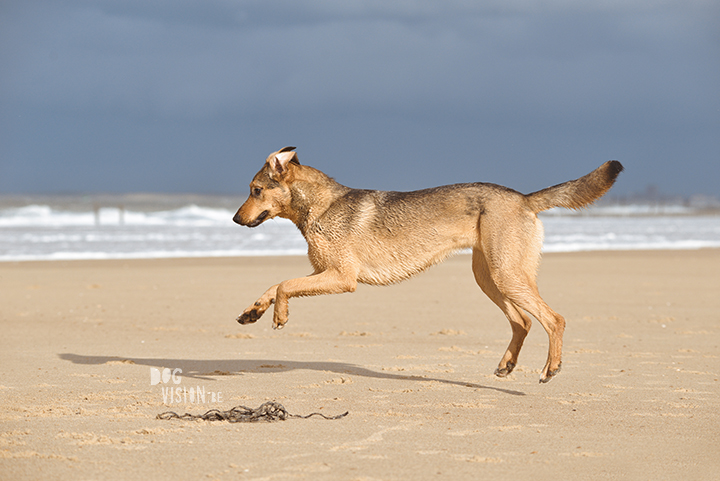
279, 162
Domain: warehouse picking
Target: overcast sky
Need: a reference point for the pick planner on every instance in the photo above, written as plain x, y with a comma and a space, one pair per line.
191, 96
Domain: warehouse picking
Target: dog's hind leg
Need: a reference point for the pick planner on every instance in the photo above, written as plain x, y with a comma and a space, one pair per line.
512, 255
519, 321
554, 325
522, 291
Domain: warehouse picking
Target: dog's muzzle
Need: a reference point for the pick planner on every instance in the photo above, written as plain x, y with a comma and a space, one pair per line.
258, 220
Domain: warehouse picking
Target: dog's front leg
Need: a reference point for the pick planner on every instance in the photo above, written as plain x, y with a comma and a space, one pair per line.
255, 312
326, 282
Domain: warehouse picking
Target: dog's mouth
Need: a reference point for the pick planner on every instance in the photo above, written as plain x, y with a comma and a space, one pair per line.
259, 219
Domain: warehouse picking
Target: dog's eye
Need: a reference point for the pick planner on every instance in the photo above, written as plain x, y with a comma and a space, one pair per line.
256, 191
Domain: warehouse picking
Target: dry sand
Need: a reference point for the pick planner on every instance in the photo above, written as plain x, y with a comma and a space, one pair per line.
413, 363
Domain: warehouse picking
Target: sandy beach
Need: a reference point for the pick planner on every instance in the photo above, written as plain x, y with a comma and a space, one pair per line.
638, 397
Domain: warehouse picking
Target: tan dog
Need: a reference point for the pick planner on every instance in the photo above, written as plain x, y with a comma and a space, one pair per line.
380, 238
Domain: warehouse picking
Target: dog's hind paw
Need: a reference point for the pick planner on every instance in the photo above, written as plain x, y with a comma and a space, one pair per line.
550, 374
506, 370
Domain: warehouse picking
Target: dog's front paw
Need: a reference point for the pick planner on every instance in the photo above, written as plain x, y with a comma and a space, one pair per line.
277, 324
279, 320
248, 317
251, 314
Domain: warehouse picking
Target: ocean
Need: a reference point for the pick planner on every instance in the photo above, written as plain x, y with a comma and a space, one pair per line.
162, 226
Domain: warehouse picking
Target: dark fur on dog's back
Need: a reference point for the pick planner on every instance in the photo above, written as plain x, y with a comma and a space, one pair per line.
377, 237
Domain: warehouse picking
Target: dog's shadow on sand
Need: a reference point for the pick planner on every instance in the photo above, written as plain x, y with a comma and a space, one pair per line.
208, 370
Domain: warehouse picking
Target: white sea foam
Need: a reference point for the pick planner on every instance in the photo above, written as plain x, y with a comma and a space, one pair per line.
43, 215
583, 233
39, 232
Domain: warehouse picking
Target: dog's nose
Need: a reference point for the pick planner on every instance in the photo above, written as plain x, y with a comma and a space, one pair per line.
237, 219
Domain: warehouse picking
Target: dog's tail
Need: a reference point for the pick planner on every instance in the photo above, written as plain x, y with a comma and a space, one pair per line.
577, 193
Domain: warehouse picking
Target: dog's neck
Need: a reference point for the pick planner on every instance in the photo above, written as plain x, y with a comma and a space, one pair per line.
311, 194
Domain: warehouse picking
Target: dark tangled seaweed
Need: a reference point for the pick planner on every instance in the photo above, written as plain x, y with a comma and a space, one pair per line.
267, 412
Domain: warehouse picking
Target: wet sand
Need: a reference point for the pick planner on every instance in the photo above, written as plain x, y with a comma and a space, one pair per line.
638, 397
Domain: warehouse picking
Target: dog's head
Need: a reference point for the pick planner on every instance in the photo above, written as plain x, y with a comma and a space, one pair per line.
269, 189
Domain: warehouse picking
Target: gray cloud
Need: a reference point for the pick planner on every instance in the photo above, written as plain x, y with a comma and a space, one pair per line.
520, 80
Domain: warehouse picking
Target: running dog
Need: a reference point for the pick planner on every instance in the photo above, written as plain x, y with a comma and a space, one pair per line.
381, 238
